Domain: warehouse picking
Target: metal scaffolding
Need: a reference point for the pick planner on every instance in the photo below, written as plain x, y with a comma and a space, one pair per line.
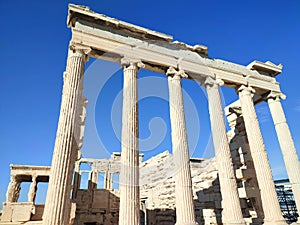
286, 200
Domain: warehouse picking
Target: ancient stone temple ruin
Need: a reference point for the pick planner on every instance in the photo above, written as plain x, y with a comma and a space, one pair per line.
235, 187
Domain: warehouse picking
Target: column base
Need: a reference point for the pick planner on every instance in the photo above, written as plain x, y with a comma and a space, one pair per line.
275, 222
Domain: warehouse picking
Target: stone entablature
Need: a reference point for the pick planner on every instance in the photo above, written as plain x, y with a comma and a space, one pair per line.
158, 52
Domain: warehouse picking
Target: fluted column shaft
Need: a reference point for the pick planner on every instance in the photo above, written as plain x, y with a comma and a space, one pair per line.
286, 143
32, 190
272, 212
129, 175
232, 213
66, 143
185, 212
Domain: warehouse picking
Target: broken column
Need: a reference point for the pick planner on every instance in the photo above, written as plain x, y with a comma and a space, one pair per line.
185, 213
232, 213
272, 212
66, 143
129, 175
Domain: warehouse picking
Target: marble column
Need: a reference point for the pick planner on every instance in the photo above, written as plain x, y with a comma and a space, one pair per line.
129, 176
232, 213
32, 190
66, 143
286, 143
185, 212
272, 212
13, 190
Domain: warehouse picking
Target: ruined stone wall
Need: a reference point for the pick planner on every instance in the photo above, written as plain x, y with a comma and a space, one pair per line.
100, 206
158, 189
157, 192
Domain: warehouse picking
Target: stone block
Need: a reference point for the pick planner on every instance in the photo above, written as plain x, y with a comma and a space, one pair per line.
7, 213
22, 212
100, 199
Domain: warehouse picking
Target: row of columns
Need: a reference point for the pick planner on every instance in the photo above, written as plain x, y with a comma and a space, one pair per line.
63, 161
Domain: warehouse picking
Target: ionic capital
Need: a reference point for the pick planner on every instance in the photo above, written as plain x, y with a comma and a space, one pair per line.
80, 51
211, 82
245, 90
275, 96
131, 63
177, 74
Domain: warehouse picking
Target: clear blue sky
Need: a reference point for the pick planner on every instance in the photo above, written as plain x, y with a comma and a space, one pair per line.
33, 43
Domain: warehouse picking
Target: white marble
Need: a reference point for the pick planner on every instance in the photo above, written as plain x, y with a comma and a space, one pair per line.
232, 213
129, 174
57, 206
185, 212
271, 208
286, 143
